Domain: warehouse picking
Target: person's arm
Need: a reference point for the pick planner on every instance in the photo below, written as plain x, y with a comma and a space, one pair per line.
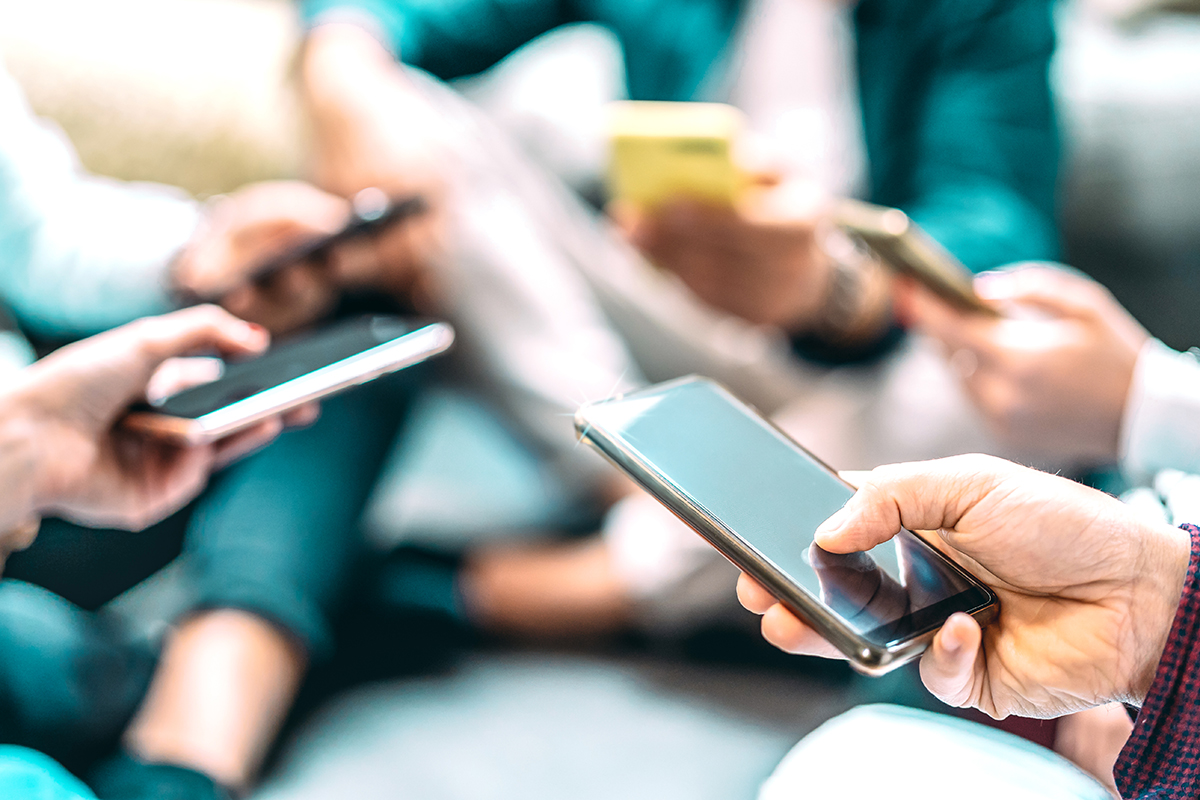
78, 253
1157, 761
1161, 425
986, 150
450, 38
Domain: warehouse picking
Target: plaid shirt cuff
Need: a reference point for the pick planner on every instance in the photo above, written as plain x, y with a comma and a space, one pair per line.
1161, 760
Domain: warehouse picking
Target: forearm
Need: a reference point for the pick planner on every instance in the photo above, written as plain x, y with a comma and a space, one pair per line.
362, 108
857, 323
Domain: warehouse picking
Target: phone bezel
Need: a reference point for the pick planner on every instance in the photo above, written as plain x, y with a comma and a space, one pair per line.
866, 656
395, 354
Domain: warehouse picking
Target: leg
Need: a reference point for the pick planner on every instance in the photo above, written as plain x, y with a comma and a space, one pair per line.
271, 547
69, 679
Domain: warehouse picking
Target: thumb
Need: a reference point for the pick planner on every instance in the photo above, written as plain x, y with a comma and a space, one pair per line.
193, 330
948, 666
1054, 291
145, 345
933, 316
927, 495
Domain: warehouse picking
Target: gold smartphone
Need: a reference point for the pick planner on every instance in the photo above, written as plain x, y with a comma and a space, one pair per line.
907, 249
297, 371
757, 497
661, 151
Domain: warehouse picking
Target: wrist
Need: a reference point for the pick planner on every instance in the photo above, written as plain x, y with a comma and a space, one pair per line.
1158, 584
857, 300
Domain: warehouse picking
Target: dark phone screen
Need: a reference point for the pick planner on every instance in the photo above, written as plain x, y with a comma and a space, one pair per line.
773, 495
288, 360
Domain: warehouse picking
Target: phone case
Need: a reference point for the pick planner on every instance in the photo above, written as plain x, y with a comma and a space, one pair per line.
662, 150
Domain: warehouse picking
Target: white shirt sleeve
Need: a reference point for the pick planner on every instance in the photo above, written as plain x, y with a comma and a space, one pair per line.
1161, 427
78, 253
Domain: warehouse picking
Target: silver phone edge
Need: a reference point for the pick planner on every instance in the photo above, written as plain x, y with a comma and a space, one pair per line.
413, 348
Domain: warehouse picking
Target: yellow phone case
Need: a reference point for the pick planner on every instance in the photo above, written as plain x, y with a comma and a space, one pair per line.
665, 150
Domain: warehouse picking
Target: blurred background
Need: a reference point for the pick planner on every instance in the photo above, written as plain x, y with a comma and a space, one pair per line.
197, 93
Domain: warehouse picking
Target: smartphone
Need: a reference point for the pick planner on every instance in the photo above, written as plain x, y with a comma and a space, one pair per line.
294, 372
373, 212
902, 245
661, 150
757, 496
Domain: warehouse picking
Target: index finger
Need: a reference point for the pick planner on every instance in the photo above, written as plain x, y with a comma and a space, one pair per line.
191, 331
753, 596
930, 495
957, 330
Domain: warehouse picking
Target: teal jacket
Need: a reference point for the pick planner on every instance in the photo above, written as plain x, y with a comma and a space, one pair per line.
960, 128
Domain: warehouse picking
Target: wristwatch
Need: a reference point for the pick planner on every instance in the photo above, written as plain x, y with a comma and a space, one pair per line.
853, 291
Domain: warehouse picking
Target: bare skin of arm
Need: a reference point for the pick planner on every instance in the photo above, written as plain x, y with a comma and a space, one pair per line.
223, 687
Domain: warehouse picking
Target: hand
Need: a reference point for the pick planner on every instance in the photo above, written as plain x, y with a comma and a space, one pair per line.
1088, 589
86, 467
763, 261
244, 230
1053, 385
373, 128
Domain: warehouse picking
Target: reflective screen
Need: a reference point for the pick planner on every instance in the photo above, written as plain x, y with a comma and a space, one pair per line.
284, 362
772, 495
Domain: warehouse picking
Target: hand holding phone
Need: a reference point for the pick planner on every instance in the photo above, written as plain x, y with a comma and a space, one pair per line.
265, 251
758, 498
87, 467
908, 250
1088, 587
373, 213
291, 374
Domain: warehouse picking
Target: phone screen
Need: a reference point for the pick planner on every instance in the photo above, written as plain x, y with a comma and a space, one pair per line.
772, 495
288, 360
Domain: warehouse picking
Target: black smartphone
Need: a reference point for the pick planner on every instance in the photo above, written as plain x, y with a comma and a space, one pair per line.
373, 212
758, 497
294, 372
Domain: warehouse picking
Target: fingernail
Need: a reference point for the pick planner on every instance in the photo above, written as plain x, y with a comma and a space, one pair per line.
951, 641
835, 523
995, 285
254, 333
